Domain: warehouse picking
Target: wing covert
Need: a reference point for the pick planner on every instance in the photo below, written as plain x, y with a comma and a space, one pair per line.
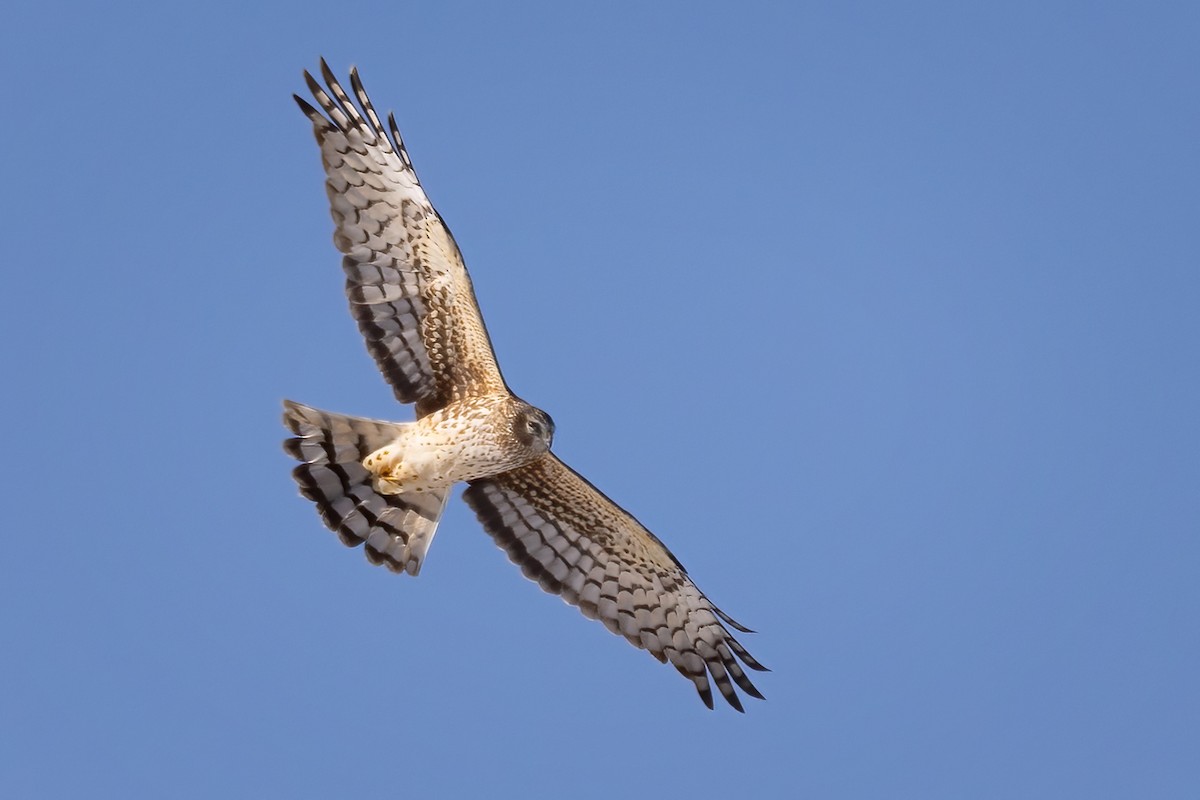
577, 543
406, 281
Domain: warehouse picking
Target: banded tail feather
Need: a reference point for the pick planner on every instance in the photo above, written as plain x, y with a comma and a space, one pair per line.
394, 529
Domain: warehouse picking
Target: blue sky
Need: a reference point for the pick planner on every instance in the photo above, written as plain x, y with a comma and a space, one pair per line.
884, 317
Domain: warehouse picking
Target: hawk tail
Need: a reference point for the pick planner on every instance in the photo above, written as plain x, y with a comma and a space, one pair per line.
395, 529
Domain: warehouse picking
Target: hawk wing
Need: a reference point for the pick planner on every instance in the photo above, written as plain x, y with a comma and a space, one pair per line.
575, 542
405, 278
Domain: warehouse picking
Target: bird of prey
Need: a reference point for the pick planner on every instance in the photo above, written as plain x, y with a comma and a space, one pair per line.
384, 485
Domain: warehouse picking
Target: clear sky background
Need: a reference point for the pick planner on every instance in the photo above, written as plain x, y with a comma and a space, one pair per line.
885, 317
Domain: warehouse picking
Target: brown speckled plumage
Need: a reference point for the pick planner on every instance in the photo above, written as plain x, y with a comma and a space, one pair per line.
385, 484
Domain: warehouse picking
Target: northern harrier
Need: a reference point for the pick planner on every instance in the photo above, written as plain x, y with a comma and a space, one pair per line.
384, 485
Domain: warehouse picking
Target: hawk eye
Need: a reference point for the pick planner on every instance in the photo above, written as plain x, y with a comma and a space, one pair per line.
537, 428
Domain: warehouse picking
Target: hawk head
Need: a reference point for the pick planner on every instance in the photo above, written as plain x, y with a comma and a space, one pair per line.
533, 428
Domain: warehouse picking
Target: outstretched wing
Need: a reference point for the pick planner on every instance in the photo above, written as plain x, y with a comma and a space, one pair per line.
405, 278
575, 542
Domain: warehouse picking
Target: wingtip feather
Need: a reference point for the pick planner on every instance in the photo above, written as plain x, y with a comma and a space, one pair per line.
731, 622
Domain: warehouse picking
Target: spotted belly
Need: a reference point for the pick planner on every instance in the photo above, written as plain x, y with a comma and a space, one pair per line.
461, 442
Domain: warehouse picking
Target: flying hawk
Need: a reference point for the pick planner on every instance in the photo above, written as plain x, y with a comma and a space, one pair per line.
384, 485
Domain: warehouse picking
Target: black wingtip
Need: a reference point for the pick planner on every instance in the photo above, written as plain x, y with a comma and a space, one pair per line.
368, 108
330, 79
308, 109
314, 85
752, 663
753, 691
730, 621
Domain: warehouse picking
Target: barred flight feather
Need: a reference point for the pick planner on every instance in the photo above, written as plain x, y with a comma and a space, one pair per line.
405, 279
576, 543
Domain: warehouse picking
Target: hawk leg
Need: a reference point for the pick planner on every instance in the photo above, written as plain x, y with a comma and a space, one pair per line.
388, 472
